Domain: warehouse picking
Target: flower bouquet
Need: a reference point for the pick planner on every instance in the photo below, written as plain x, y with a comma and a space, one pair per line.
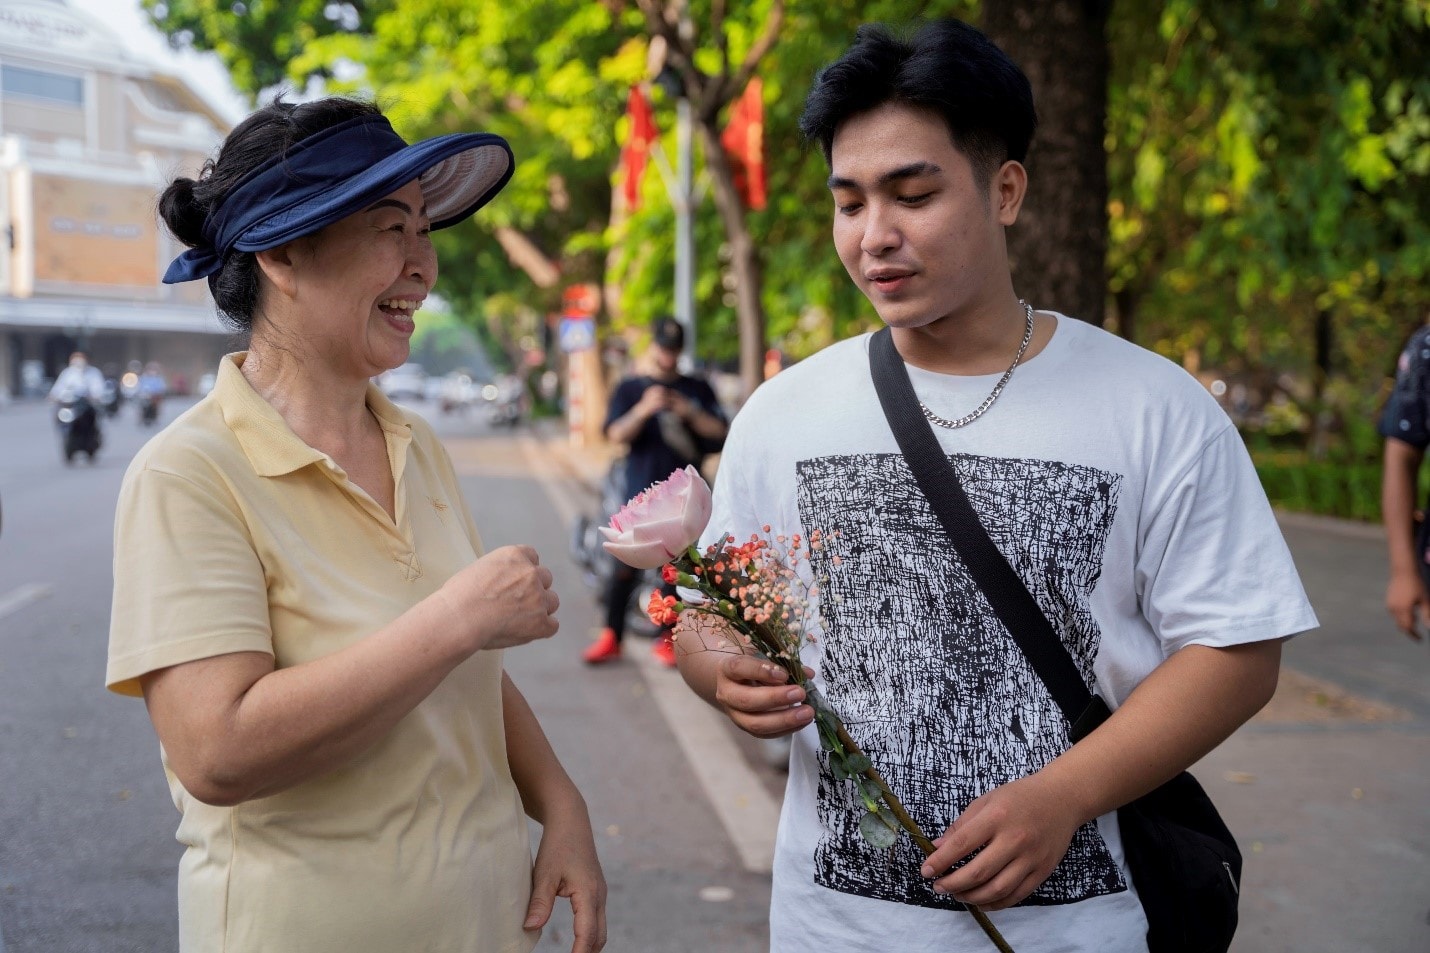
760, 605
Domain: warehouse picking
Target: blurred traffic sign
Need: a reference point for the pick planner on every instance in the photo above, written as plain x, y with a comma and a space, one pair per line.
577, 334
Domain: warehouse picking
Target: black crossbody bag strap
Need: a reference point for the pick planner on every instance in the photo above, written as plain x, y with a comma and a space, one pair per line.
1005, 590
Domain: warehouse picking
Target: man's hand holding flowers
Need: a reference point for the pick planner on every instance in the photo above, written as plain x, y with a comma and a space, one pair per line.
756, 695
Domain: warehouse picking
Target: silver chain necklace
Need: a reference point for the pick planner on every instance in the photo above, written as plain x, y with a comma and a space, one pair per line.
967, 419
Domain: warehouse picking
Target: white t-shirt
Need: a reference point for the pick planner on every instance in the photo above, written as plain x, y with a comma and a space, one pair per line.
1125, 499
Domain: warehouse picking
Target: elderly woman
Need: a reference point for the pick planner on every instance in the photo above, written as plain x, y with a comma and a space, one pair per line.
303, 600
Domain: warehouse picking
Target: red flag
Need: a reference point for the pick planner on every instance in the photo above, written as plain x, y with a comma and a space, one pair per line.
637, 147
744, 142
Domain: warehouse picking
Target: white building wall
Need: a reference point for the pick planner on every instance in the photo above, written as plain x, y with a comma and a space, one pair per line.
77, 181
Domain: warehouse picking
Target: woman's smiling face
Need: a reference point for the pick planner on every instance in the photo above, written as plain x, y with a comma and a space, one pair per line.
359, 281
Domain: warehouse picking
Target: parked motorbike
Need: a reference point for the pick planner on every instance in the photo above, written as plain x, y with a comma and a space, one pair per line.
78, 422
597, 565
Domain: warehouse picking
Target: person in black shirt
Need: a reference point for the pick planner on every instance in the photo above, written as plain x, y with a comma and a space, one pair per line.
669, 421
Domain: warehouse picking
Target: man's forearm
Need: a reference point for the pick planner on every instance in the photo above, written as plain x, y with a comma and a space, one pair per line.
1397, 496
625, 427
1190, 704
706, 424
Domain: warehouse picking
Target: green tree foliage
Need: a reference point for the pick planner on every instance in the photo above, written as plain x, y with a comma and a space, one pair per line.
1267, 164
256, 39
1270, 169
441, 66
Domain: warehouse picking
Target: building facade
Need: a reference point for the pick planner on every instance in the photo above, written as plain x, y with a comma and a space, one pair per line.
89, 134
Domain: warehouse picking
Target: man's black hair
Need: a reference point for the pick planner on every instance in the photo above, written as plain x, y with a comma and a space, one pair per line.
946, 66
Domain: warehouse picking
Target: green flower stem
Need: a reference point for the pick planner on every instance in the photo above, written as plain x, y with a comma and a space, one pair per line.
912, 828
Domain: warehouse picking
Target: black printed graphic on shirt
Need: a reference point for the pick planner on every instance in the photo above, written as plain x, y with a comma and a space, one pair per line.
925, 676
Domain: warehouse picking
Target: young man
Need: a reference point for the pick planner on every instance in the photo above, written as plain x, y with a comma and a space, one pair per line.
669, 420
1107, 476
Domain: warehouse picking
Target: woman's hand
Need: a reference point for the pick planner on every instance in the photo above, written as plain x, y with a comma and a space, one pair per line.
567, 866
502, 600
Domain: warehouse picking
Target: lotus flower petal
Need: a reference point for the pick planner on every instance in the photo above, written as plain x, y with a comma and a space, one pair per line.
660, 523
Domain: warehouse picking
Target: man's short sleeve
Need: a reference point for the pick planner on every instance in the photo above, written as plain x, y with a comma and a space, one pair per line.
733, 504
1404, 417
627, 395
704, 395
188, 583
1212, 566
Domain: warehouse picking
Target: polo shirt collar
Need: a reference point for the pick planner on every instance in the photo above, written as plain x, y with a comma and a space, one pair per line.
269, 443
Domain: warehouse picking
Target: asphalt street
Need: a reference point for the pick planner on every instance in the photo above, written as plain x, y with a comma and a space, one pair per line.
1326, 790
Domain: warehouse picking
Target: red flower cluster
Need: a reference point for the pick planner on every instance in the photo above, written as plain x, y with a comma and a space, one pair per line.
662, 610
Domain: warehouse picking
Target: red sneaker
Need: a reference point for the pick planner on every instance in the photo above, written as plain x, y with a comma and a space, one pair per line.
663, 649
604, 649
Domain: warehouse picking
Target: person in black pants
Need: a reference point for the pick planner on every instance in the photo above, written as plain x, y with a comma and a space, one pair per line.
669, 420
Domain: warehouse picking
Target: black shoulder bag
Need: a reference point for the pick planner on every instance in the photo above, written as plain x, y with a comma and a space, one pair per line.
1184, 862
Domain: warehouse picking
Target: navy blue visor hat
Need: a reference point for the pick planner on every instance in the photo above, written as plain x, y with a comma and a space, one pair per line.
341, 170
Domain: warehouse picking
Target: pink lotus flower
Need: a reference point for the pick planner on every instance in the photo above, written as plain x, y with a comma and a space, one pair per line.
660, 523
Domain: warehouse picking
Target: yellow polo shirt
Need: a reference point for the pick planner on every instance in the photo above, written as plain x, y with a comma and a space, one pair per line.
234, 535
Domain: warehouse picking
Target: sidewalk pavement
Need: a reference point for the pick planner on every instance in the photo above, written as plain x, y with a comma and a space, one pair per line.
1327, 788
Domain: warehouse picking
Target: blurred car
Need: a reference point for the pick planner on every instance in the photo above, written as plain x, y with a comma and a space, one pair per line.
408, 382
459, 391
206, 384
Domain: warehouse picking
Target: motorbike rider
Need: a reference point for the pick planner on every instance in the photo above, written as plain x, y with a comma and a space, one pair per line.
669, 420
152, 387
79, 393
79, 379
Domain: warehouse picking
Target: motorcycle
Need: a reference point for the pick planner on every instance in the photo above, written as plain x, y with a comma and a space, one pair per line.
111, 398
505, 413
597, 565
78, 423
507, 401
148, 409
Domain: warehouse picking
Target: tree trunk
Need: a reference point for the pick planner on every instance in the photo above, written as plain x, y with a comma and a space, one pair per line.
523, 253
1126, 305
1058, 248
1317, 440
744, 260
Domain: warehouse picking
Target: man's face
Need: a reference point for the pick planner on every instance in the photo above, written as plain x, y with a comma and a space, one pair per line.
920, 237
666, 360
